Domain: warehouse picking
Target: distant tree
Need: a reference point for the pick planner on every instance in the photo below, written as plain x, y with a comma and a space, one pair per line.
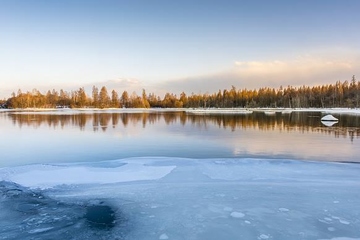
81, 100
104, 99
35, 98
183, 99
219, 99
340, 94
64, 99
52, 98
95, 96
233, 97
145, 102
154, 100
124, 100
354, 89
136, 101
3, 103
169, 100
114, 99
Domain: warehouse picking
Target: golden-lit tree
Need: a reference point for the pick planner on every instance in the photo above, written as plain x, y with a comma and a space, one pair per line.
340, 94
104, 99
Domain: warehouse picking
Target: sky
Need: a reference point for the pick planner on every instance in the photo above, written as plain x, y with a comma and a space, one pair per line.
174, 46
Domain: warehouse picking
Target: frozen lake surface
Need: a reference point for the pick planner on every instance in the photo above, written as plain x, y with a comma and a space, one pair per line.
169, 198
179, 176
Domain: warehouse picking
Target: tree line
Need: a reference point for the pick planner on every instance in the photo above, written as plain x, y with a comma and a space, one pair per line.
341, 94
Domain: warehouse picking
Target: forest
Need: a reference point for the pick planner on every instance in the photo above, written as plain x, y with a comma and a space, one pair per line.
340, 94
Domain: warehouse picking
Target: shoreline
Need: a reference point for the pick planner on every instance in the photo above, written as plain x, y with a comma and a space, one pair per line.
267, 111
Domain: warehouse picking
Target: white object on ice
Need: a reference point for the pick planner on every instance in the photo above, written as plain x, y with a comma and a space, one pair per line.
329, 123
329, 117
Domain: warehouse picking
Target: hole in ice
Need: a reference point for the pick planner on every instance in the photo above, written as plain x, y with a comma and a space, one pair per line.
100, 216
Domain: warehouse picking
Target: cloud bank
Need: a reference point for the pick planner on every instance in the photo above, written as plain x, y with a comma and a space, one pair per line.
305, 70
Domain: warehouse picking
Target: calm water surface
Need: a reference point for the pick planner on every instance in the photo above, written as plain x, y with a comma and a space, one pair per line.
74, 136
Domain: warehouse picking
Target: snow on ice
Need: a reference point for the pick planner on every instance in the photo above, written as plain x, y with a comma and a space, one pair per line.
172, 198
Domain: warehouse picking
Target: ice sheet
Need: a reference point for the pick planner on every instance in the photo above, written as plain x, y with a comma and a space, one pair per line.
47, 176
172, 198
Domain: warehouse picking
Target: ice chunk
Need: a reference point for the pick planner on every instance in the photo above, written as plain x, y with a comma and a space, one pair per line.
163, 236
237, 215
264, 236
341, 220
283, 209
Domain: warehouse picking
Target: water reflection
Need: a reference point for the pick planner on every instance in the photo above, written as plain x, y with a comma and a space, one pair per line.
96, 136
348, 125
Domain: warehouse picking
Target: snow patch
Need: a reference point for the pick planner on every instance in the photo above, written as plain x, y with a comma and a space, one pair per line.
329, 117
344, 222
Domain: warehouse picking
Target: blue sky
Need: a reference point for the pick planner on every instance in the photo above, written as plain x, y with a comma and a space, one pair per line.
175, 46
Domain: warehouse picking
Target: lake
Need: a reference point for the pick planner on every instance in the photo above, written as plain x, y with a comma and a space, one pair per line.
78, 136
160, 174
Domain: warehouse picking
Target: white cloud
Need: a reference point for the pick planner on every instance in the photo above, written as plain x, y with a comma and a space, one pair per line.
256, 67
302, 65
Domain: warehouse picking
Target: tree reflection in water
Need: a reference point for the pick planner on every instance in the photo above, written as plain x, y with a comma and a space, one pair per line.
348, 125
